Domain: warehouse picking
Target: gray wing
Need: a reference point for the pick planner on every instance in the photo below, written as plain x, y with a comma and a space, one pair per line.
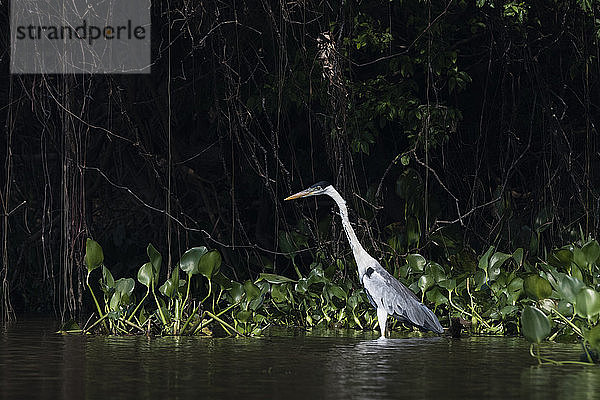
386, 291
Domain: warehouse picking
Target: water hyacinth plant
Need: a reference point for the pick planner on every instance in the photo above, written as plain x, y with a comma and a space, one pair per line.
498, 294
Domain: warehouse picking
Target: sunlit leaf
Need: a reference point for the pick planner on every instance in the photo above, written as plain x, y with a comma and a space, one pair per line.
416, 262
591, 251
587, 303
274, 278
425, 282
485, 258
124, 287
495, 264
107, 277
94, 257
508, 310
316, 275
171, 285
565, 308
190, 259
114, 301
536, 325
146, 274
575, 272
568, 287
155, 259
236, 292
579, 258
209, 263
252, 291
302, 286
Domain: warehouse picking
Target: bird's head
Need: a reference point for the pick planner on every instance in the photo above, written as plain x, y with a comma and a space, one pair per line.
315, 190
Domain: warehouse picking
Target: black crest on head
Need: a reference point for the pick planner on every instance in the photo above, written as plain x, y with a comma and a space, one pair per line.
322, 184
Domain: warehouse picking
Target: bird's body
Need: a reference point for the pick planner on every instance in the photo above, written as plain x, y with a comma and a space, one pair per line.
386, 293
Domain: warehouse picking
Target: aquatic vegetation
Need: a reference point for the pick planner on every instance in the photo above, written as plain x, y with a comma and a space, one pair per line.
500, 294
564, 302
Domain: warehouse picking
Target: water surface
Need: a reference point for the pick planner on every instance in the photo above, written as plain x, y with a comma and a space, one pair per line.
37, 363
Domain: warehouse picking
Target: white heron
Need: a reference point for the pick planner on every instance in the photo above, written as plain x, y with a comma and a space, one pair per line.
386, 293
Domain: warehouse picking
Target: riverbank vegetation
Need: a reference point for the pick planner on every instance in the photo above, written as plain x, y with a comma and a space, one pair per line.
499, 294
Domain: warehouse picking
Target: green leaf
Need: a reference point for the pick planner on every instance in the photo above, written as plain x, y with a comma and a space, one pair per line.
338, 292
274, 278
448, 284
561, 258
436, 297
537, 288
316, 275
518, 256
508, 310
484, 260
236, 291
220, 279
565, 308
124, 286
190, 259
107, 278
156, 260
587, 303
425, 282
94, 257
279, 293
591, 251
244, 316
592, 336
536, 326
568, 287
575, 272
209, 263
496, 262
436, 271
114, 301
302, 286
252, 291
107, 283
171, 286
416, 262
146, 274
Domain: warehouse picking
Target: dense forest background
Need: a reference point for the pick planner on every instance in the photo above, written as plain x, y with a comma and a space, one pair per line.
446, 125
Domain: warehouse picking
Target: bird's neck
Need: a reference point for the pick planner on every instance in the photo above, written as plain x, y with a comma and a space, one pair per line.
357, 249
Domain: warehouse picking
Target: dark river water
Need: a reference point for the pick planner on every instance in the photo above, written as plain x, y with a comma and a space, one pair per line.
37, 363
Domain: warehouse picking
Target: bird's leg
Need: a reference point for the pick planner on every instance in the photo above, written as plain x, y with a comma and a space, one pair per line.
382, 318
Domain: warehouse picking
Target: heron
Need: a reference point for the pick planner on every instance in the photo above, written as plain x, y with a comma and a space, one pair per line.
385, 293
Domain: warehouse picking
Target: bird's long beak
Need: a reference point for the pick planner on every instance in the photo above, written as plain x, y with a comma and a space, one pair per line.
304, 193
